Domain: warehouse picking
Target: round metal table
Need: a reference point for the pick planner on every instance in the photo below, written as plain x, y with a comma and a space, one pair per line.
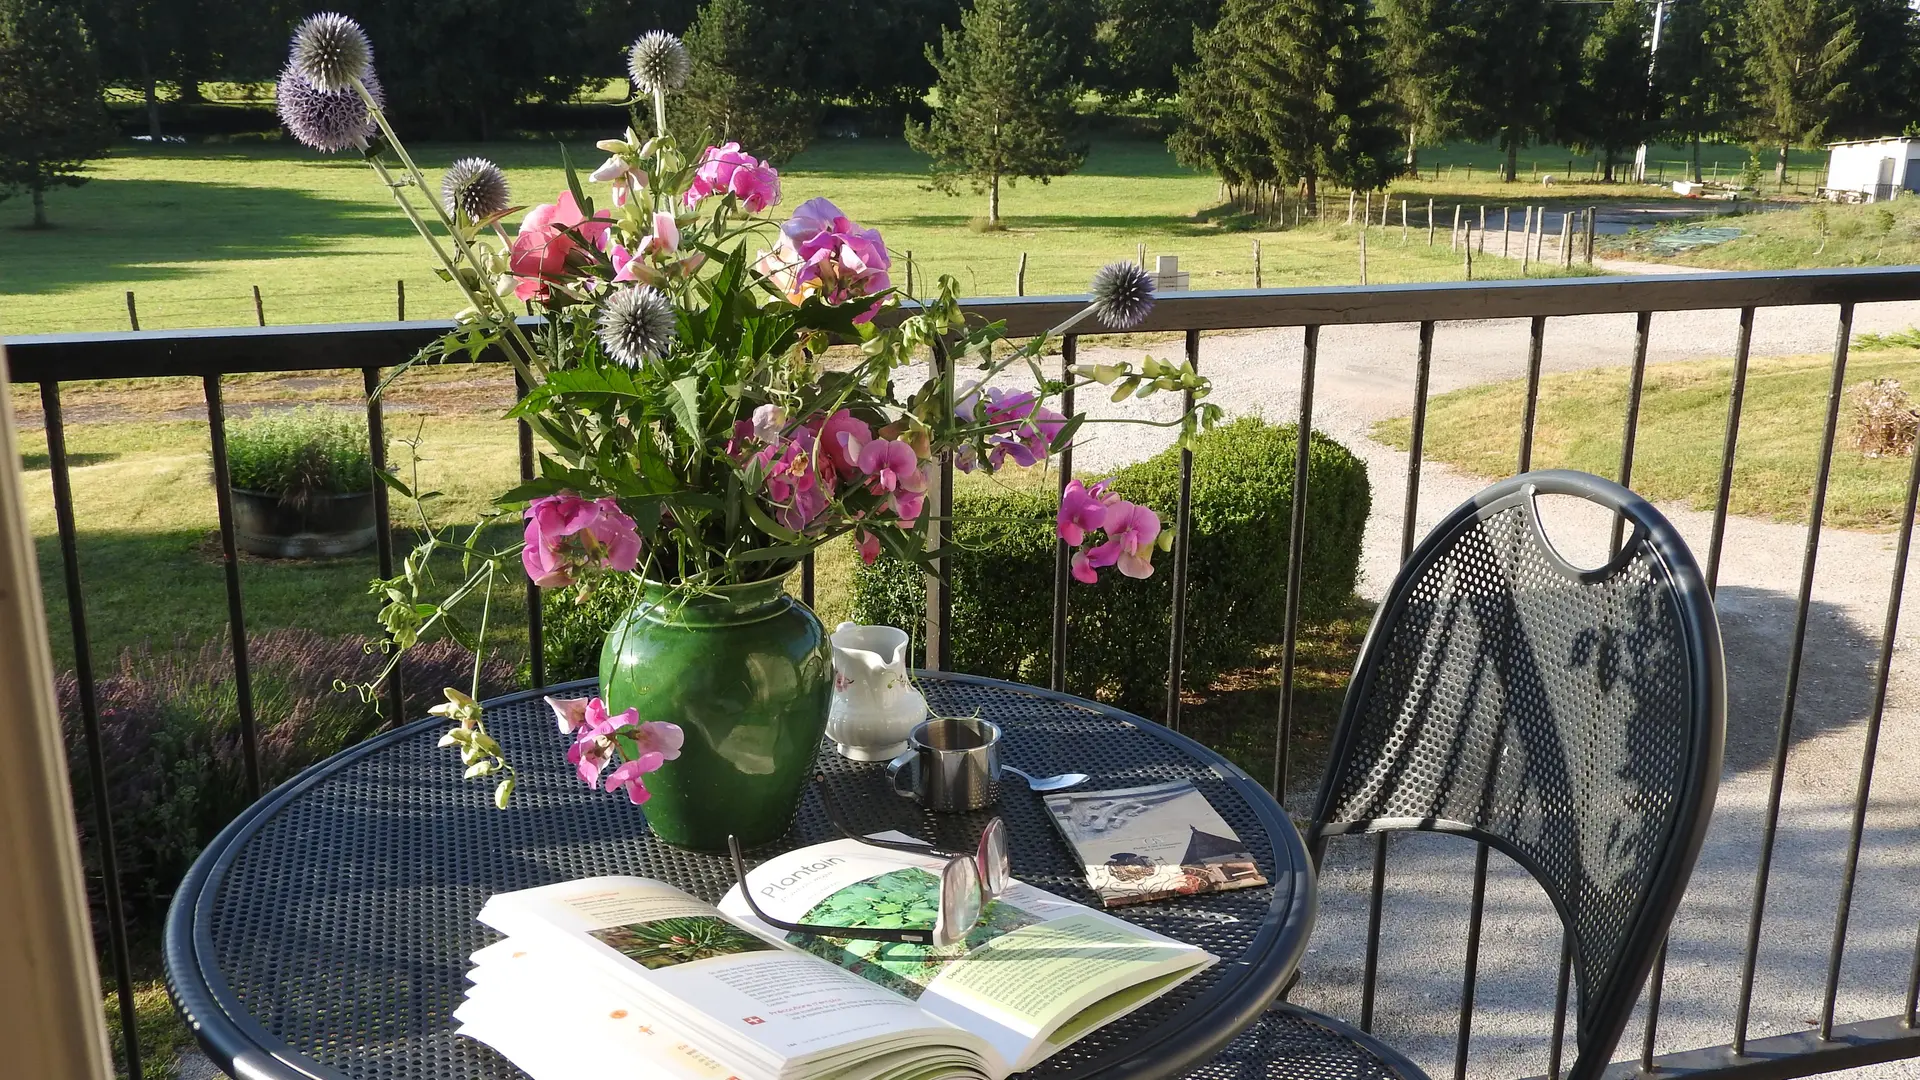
325, 932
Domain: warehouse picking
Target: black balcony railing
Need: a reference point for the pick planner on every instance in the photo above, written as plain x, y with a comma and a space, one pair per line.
50, 360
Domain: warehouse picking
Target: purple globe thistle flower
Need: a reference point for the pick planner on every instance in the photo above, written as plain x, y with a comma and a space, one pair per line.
1122, 295
328, 120
636, 324
475, 187
330, 51
658, 61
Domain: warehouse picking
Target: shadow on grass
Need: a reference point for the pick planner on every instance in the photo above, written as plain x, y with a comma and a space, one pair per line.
866, 159
144, 230
1178, 224
35, 460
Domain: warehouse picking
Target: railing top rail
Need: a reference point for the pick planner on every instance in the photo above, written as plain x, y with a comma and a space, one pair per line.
143, 353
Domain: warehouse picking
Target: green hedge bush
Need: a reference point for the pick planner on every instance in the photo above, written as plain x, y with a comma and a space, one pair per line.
1118, 629
304, 452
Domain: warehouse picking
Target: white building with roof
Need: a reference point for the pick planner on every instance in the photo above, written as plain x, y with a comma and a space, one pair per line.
1872, 170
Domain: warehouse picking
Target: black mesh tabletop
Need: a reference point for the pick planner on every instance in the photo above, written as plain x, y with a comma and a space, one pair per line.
325, 932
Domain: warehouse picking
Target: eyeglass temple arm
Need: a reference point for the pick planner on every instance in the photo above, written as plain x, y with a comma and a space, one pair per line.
832, 806
902, 936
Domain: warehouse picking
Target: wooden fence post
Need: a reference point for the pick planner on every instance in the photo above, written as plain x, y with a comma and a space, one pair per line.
1430, 219
1483, 228
1363, 256
1454, 238
1020, 277
1505, 236
1591, 210
1526, 243
1349, 206
1256, 262
1469, 248
1566, 239
400, 299
259, 309
133, 314
1403, 221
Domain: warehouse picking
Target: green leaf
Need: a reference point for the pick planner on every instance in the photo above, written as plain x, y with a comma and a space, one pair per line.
394, 482
1067, 430
573, 183
765, 523
773, 554
686, 406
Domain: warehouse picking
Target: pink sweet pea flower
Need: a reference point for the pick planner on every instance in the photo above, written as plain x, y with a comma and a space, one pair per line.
841, 439
827, 253
1080, 513
1131, 532
567, 535
768, 422
665, 240
1083, 570
540, 250
724, 170
570, 712
593, 740
628, 775
867, 544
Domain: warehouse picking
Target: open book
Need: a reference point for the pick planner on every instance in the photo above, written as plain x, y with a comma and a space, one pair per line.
629, 976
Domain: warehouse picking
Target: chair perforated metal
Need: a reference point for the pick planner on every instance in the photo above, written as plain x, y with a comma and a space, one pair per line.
1570, 718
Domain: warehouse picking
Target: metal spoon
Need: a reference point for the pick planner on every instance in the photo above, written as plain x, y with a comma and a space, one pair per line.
1047, 783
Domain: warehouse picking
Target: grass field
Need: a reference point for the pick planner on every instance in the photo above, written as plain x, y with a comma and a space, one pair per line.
1683, 416
1882, 234
192, 230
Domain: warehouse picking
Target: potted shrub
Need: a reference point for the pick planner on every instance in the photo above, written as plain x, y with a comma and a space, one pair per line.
302, 484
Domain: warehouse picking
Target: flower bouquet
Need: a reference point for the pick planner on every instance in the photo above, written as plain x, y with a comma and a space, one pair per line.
719, 390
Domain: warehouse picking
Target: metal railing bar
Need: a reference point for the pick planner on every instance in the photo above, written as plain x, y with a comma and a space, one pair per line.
230, 558
940, 533
1062, 555
1913, 987
1868, 751
1296, 552
383, 517
1182, 541
37, 358
1784, 1057
536, 627
1636, 383
1743, 345
1536, 340
1736, 397
1416, 451
1557, 1048
1783, 736
1470, 980
56, 432
806, 580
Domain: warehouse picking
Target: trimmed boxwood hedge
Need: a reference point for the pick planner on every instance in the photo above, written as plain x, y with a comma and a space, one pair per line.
1242, 509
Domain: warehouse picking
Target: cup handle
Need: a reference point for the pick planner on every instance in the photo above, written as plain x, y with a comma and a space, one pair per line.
907, 763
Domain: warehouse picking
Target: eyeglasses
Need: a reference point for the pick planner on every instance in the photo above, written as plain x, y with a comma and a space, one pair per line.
968, 884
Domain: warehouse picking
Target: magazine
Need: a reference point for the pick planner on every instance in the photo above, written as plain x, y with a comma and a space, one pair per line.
1151, 843
630, 975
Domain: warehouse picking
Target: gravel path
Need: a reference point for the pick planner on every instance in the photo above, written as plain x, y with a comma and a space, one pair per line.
1365, 374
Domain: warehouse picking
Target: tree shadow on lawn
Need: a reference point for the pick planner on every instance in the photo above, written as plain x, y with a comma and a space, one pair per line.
117, 230
1171, 224
868, 159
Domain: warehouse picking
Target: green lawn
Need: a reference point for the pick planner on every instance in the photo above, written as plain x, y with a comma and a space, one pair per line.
190, 230
1683, 416
1882, 234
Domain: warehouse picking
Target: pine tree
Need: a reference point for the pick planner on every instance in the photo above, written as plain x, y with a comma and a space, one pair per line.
52, 121
736, 45
1516, 81
1799, 53
1005, 104
1698, 72
1610, 112
1424, 49
1882, 92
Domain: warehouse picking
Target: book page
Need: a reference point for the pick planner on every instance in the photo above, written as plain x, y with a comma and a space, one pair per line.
1151, 843
1033, 962
767, 1004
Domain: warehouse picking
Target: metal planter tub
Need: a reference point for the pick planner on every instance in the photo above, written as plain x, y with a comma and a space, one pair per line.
320, 525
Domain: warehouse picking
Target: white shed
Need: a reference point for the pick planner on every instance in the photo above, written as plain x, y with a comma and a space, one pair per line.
1871, 170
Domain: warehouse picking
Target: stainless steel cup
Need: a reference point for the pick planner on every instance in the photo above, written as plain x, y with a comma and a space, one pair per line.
952, 763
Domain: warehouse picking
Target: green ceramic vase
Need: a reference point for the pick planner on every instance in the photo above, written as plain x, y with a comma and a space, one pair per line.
746, 672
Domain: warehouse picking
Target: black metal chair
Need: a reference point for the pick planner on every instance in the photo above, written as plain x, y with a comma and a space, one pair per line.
1571, 719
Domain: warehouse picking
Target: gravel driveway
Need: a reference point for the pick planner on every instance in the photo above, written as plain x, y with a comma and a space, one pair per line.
1365, 374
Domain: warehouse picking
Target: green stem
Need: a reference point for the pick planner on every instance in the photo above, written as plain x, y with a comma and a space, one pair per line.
480, 639
659, 111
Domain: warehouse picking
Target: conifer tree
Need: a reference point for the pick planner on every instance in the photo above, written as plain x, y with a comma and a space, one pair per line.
52, 121
1516, 76
1610, 113
1005, 107
1299, 75
738, 48
1698, 72
1425, 46
1799, 55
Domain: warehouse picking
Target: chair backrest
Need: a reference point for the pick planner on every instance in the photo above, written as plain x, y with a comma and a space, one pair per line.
1569, 718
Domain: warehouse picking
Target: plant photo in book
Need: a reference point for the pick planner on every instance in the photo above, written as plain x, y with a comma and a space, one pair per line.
905, 897
679, 940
